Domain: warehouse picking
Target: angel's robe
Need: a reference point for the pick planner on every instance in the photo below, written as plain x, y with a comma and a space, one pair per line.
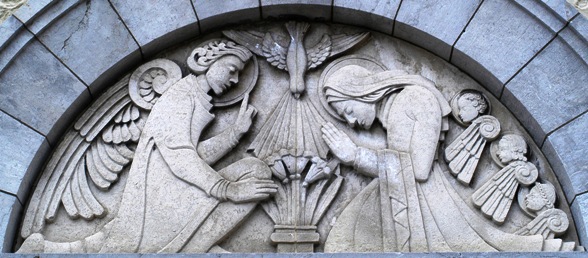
410, 206
168, 192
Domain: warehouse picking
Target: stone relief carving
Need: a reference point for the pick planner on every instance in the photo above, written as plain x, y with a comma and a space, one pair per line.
177, 156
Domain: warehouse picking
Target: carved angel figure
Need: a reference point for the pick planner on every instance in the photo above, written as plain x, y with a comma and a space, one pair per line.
463, 154
549, 221
170, 165
494, 198
410, 188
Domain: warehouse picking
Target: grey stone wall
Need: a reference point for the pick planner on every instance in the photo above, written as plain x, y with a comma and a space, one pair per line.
56, 56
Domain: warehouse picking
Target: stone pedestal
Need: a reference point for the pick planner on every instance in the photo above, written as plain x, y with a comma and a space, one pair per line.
295, 239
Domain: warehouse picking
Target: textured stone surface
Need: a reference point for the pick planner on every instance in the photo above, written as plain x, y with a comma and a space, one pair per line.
554, 14
576, 36
567, 151
550, 90
39, 91
213, 14
13, 37
20, 156
151, 21
434, 25
10, 209
499, 40
316, 10
378, 15
580, 212
7, 30
93, 42
45, 17
31, 8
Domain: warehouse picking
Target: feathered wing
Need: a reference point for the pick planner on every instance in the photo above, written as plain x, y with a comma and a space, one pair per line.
333, 45
268, 45
464, 152
495, 197
98, 148
274, 52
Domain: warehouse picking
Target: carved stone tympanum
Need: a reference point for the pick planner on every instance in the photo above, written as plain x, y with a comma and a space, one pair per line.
296, 137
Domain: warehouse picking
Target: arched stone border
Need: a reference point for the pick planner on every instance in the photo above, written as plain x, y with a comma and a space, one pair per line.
56, 56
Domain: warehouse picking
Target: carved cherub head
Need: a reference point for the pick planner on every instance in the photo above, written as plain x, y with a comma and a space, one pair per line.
471, 105
541, 197
511, 147
220, 61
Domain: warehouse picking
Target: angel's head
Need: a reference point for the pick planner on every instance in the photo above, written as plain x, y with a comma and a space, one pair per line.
541, 197
220, 61
471, 105
511, 147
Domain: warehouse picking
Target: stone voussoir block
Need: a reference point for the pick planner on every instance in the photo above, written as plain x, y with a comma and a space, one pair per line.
319, 10
20, 156
40, 92
159, 24
500, 39
10, 211
580, 212
213, 14
567, 151
377, 15
93, 42
550, 90
434, 25
13, 37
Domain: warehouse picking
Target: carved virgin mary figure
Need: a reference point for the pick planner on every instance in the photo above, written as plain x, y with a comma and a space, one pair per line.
410, 206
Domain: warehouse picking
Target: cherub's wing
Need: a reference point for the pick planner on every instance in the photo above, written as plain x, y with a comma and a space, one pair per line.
464, 152
100, 146
495, 197
549, 223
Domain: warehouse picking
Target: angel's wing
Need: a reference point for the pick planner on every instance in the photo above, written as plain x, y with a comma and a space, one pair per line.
333, 45
98, 148
464, 152
548, 223
495, 197
268, 45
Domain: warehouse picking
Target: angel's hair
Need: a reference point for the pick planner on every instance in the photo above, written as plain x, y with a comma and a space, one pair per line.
203, 57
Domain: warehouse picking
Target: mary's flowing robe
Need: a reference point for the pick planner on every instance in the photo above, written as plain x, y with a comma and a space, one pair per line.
404, 209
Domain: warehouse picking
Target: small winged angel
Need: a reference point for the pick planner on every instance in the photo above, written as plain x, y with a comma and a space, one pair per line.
290, 137
495, 196
548, 221
464, 152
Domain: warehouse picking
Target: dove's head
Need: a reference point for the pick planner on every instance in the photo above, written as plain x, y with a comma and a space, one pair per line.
220, 61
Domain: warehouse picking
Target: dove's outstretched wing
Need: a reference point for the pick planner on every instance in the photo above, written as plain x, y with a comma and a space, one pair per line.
495, 197
333, 45
464, 152
268, 45
99, 147
548, 223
